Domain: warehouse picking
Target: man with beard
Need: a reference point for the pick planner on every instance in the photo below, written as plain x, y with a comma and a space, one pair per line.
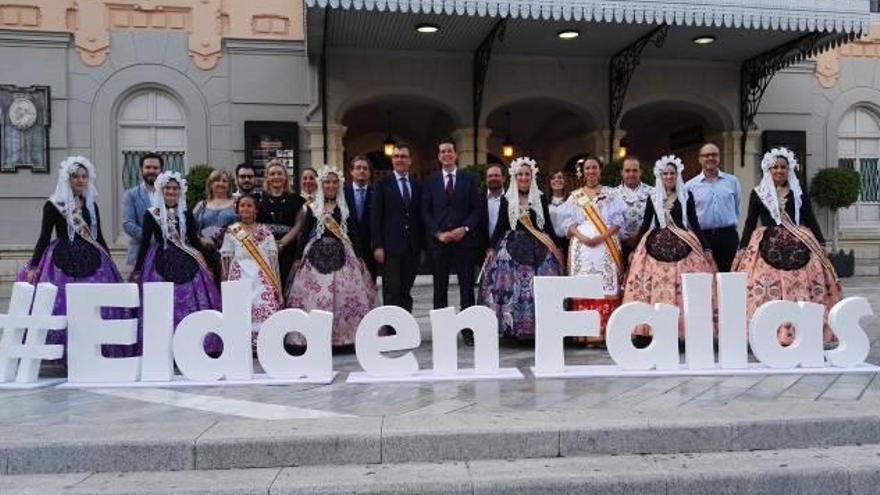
136, 201
492, 205
245, 180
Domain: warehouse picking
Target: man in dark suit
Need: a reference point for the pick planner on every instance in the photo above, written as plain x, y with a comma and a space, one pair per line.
451, 210
396, 228
358, 195
491, 206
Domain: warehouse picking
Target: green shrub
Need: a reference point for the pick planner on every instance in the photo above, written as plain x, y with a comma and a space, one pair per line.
195, 184
835, 188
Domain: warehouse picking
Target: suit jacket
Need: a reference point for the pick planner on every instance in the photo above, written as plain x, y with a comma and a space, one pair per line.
440, 214
135, 203
362, 228
395, 227
486, 236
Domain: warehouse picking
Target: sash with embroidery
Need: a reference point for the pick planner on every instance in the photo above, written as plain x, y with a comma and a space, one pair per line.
191, 251
83, 231
334, 227
543, 238
596, 219
250, 246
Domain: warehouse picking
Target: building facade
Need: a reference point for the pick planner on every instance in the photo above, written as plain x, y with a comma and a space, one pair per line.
219, 82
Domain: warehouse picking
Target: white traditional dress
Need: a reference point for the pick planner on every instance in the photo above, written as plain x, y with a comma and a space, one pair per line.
635, 200
594, 217
252, 255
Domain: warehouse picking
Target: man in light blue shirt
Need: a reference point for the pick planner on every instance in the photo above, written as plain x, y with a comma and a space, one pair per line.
136, 201
718, 196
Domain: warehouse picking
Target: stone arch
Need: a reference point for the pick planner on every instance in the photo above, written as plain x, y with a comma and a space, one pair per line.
673, 125
546, 129
858, 97
112, 93
419, 121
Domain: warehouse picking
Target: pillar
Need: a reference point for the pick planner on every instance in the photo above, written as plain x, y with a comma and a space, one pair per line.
464, 144
335, 150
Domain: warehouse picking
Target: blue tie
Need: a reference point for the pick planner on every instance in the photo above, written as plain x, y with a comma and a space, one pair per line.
359, 203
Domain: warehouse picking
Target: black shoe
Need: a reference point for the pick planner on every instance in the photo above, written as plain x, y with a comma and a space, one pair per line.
294, 350
468, 337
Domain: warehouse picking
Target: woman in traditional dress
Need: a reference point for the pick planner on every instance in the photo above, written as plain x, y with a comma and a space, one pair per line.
781, 249
674, 244
280, 211
170, 252
328, 275
592, 219
522, 248
557, 199
78, 254
249, 253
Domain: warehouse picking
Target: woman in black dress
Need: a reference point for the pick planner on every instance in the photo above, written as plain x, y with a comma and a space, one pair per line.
282, 211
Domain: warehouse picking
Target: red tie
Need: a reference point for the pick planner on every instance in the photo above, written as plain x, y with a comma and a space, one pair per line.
450, 188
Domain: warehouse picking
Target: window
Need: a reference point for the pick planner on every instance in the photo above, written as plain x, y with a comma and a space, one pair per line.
859, 148
150, 120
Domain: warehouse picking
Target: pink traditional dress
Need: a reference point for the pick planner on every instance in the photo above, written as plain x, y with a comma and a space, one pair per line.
250, 253
781, 249
670, 245
329, 275
593, 217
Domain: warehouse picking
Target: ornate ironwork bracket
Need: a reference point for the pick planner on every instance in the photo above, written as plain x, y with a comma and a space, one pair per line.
620, 71
480, 70
757, 72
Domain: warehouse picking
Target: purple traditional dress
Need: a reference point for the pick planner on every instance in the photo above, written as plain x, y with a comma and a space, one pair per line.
524, 247
78, 254
329, 275
167, 254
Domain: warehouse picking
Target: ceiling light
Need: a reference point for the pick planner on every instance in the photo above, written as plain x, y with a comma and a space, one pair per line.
704, 40
568, 34
427, 28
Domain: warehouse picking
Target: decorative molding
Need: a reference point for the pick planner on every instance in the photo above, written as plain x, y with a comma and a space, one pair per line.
849, 16
828, 63
207, 22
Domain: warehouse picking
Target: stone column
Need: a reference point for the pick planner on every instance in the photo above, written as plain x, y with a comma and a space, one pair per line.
464, 143
335, 150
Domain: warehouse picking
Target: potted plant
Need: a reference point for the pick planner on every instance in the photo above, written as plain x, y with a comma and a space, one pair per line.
835, 188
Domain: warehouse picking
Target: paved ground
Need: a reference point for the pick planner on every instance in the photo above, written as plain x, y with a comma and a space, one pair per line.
58, 407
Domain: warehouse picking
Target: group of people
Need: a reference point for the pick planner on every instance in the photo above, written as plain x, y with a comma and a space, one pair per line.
324, 247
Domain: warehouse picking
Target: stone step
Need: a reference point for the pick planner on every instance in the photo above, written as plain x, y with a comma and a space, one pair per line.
840, 470
238, 444
867, 268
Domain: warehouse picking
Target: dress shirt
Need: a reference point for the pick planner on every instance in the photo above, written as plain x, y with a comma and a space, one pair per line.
718, 201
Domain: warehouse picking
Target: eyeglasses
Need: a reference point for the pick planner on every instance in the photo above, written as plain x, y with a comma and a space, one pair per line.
709, 155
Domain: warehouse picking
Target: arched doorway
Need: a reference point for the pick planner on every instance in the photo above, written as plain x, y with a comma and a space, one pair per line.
677, 127
546, 130
419, 122
150, 120
858, 147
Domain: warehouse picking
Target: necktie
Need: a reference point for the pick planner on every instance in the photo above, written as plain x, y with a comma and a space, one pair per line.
404, 185
359, 203
450, 188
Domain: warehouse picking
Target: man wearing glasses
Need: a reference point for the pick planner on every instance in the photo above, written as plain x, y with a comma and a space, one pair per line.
717, 195
245, 180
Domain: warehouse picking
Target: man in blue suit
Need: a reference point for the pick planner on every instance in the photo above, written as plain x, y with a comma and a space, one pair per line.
358, 195
396, 229
451, 210
136, 201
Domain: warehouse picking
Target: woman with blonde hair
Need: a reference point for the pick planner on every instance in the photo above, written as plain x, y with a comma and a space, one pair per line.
280, 210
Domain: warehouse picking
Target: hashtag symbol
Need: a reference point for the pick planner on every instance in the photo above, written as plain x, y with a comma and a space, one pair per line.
23, 339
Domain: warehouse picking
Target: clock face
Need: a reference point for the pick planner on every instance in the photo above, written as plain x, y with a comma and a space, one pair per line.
22, 113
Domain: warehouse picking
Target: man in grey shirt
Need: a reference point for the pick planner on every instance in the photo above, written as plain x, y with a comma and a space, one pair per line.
717, 196
136, 201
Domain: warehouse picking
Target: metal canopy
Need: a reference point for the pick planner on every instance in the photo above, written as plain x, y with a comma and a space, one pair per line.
777, 15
